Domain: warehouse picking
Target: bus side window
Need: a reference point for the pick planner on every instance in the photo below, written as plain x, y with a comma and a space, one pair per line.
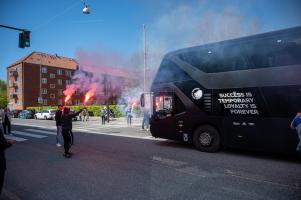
164, 106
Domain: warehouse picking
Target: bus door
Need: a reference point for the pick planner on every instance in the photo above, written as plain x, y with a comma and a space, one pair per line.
162, 123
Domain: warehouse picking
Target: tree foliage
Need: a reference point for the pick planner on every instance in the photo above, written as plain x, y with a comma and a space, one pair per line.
3, 93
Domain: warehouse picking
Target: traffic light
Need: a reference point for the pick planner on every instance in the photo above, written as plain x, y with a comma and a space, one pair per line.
24, 39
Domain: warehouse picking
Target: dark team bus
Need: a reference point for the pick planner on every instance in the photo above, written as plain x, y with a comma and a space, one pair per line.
239, 93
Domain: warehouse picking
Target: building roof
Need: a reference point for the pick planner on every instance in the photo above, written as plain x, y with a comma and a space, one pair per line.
48, 60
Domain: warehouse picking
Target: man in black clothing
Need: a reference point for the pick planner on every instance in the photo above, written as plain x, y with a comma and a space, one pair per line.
67, 129
6, 120
58, 121
4, 144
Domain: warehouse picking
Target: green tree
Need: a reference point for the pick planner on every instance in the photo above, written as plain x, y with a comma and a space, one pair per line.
3, 93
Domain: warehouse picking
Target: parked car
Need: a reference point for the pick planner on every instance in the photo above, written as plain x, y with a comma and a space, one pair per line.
26, 114
45, 114
15, 113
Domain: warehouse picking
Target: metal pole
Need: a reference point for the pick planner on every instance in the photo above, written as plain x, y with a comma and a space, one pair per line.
107, 97
144, 56
40, 93
13, 28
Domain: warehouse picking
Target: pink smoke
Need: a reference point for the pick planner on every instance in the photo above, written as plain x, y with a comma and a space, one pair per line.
70, 89
91, 92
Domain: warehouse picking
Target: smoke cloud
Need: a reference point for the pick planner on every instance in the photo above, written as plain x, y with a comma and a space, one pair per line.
187, 26
183, 26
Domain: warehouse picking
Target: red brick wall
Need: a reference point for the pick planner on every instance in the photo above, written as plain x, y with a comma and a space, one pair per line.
32, 85
14, 84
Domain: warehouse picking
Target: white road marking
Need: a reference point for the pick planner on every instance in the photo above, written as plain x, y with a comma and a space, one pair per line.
48, 127
121, 135
18, 139
28, 134
169, 162
81, 127
41, 131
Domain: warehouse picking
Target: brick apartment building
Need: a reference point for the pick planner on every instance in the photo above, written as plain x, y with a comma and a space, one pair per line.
39, 79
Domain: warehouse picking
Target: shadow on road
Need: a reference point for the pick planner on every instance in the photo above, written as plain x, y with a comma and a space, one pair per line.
237, 152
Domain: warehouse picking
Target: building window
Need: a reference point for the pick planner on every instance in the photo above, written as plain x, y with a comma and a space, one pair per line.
19, 102
17, 90
60, 102
44, 101
68, 73
44, 80
60, 92
52, 75
52, 85
68, 82
17, 79
52, 96
59, 72
77, 102
18, 69
44, 91
44, 69
59, 81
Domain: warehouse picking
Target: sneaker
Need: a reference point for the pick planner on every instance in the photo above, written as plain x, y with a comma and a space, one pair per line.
67, 155
58, 145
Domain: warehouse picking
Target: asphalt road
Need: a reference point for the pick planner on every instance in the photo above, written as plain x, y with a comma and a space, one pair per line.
108, 166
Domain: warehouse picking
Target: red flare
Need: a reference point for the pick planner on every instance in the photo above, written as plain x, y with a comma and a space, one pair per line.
67, 98
87, 97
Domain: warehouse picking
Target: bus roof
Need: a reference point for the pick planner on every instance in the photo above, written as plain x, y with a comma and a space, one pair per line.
250, 38
266, 59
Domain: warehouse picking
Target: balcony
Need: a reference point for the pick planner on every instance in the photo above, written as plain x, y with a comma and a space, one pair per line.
14, 73
13, 85
13, 96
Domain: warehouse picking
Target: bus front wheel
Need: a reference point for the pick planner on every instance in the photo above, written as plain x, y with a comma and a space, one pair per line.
207, 139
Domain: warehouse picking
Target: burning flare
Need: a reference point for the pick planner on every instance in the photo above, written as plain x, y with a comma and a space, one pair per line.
67, 98
87, 97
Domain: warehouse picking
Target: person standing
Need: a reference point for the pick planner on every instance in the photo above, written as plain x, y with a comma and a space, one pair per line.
67, 129
4, 144
85, 114
296, 124
103, 115
58, 121
6, 120
129, 116
145, 121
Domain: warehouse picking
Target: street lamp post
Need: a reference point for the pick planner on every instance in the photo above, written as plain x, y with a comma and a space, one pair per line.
144, 61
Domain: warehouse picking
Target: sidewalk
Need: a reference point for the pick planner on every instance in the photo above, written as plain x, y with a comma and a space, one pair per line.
136, 121
116, 126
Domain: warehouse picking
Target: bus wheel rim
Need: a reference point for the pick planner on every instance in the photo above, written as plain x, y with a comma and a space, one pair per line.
205, 139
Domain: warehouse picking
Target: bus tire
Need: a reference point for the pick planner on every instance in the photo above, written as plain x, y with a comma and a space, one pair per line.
206, 138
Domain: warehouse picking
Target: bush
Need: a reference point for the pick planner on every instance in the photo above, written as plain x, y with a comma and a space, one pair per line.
94, 110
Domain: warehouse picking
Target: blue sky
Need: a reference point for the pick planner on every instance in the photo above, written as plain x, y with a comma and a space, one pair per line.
58, 26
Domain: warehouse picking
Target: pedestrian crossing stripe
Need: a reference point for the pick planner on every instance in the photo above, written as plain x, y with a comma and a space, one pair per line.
18, 139
28, 134
42, 131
